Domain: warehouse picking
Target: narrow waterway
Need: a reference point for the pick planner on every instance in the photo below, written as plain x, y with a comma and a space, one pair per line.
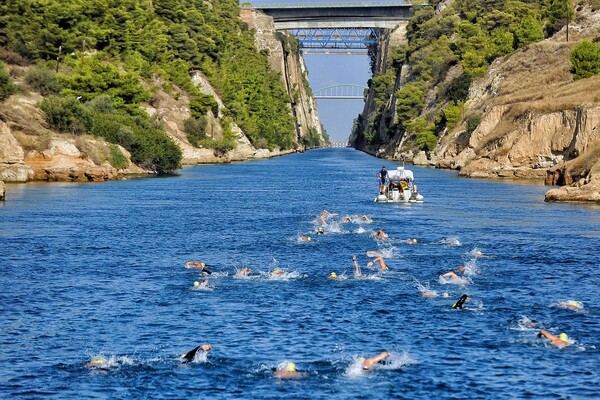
92, 270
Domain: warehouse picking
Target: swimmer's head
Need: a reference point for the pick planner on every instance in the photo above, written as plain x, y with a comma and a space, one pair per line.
202, 265
563, 336
97, 361
360, 359
460, 268
320, 229
413, 241
196, 283
308, 239
333, 275
290, 367
575, 303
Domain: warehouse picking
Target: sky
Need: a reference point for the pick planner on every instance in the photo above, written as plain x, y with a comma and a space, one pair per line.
325, 70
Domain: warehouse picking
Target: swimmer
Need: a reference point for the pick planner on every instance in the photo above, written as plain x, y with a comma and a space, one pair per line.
245, 271
366, 218
374, 253
198, 265
320, 231
332, 275
571, 305
288, 371
382, 265
410, 241
98, 362
369, 363
202, 284
277, 272
191, 355
357, 273
559, 341
325, 215
305, 238
445, 295
460, 303
380, 234
452, 274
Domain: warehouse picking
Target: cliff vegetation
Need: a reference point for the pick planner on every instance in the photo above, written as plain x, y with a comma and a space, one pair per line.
495, 88
104, 68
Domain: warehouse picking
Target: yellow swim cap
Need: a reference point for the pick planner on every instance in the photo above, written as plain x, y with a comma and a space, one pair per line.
333, 275
361, 359
291, 367
308, 238
202, 265
563, 336
196, 283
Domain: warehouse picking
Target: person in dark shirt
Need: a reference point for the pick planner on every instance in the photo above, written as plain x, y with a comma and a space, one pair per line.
382, 175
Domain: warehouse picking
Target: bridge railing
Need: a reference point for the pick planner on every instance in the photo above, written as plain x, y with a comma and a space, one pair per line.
341, 4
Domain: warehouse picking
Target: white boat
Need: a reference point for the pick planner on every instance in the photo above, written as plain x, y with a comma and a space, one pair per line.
400, 188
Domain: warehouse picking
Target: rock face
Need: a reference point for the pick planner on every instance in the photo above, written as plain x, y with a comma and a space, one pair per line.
290, 64
536, 121
30, 152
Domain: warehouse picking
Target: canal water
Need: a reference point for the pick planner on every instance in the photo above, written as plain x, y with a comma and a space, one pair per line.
96, 270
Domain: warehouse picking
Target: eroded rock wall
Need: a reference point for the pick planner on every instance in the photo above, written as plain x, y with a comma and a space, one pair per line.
290, 64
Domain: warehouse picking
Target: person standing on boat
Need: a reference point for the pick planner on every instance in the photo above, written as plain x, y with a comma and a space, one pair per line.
382, 175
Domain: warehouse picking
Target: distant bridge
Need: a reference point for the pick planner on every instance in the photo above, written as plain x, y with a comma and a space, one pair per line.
339, 144
338, 92
340, 27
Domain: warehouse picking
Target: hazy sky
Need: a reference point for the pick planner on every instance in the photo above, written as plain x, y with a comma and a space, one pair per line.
327, 70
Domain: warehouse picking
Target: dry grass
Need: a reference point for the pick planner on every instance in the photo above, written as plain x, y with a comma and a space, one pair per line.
28, 142
98, 152
581, 166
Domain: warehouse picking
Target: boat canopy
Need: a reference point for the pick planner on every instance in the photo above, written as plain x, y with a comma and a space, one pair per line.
401, 173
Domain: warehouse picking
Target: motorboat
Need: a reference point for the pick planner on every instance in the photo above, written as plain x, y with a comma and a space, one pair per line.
400, 188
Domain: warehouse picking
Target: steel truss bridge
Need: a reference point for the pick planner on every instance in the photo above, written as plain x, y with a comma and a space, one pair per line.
338, 27
339, 144
337, 92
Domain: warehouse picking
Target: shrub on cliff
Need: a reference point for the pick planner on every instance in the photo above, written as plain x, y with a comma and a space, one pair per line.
409, 104
585, 60
66, 114
195, 129
43, 79
7, 87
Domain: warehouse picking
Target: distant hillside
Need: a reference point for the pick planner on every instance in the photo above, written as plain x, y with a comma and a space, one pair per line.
113, 69
488, 87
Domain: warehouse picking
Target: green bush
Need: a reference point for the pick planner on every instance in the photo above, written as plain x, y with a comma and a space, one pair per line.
585, 60
452, 114
66, 114
409, 103
117, 159
472, 123
43, 79
7, 87
202, 104
458, 89
195, 129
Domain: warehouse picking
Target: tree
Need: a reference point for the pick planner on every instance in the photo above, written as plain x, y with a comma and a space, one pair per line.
560, 13
409, 104
585, 60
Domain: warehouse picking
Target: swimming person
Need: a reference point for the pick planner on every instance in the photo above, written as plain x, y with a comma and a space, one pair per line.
571, 305
198, 265
332, 275
245, 271
288, 371
277, 272
191, 355
559, 341
452, 274
320, 231
380, 234
370, 362
326, 215
357, 273
382, 175
305, 238
98, 362
461, 301
382, 265
202, 284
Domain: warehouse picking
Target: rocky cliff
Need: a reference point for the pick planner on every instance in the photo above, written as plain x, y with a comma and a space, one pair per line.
30, 151
287, 60
536, 121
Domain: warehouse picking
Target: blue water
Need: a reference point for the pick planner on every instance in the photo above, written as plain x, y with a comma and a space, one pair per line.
97, 269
